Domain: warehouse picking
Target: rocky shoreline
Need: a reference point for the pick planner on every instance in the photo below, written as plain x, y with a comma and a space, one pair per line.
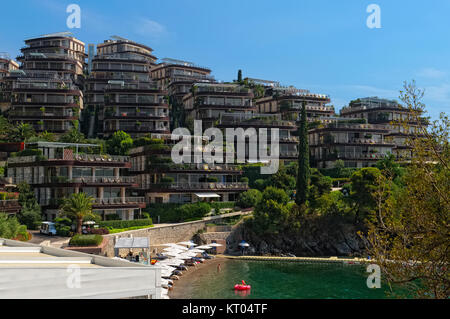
317, 238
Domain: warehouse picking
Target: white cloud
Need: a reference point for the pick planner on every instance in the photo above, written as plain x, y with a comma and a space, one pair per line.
361, 90
431, 73
150, 28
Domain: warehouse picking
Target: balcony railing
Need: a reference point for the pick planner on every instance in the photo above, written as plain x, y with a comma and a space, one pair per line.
21, 159
96, 201
93, 180
102, 158
119, 200
41, 114
199, 186
197, 167
356, 156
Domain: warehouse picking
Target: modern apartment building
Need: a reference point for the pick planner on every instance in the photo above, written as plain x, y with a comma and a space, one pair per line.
59, 52
207, 101
162, 181
45, 92
61, 169
358, 145
390, 114
6, 65
120, 93
42, 99
177, 77
288, 101
286, 132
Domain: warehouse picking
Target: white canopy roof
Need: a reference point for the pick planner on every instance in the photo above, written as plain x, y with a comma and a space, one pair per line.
133, 242
207, 195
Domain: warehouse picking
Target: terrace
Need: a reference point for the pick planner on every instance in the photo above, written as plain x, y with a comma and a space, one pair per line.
220, 88
186, 186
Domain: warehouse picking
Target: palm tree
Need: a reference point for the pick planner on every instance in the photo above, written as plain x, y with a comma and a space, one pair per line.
23, 131
78, 207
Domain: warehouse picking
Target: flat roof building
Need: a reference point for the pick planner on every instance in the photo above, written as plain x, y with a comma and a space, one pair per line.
60, 169
30, 271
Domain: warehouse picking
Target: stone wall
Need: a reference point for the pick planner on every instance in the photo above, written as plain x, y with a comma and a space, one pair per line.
163, 234
157, 235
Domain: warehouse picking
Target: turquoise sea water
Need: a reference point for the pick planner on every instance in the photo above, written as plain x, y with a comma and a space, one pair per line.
284, 280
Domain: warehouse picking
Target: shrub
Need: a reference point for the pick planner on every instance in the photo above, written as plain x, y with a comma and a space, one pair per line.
167, 179
63, 226
99, 231
10, 227
165, 211
125, 223
195, 211
112, 217
86, 240
249, 198
244, 179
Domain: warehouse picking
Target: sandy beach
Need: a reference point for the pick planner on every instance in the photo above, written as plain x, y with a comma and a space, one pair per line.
181, 287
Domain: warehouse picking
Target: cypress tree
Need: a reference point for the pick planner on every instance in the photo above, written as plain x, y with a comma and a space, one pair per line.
303, 160
239, 79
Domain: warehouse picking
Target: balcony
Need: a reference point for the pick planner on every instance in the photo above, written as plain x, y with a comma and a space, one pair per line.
186, 186
98, 201
101, 158
118, 200
196, 167
10, 206
355, 156
91, 180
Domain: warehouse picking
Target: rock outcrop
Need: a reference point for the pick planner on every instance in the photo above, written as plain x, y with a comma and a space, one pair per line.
316, 237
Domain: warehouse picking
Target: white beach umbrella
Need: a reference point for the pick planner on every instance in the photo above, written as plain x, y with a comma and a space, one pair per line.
173, 253
187, 243
169, 244
196, 250
172, 249
173, 261
215, 245
204, 247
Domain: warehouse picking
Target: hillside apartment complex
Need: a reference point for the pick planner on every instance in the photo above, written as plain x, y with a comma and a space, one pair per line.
124, 87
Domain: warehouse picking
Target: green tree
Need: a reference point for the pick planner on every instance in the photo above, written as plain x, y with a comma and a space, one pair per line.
282, 180
389, 166
249, 198
10, 227
6, 130
409, 233
78, 207
30, 212
22, 132
119, 144
303, 160
239, 76
364, 183
320, 185
272, 213
73, 135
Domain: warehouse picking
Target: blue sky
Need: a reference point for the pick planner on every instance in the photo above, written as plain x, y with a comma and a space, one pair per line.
320, 45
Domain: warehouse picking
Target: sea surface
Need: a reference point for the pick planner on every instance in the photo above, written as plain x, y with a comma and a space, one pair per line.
284, 280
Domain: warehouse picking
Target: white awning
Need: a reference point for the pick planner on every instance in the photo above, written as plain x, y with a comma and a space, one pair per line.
206, 195
135, 242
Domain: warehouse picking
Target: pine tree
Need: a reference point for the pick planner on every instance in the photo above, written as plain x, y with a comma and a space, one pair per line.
303, 160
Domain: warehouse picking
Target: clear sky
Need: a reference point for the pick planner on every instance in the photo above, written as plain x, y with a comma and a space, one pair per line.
321, 45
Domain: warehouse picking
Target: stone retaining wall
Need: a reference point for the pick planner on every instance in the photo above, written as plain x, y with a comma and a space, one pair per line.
164, 234
158, 235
